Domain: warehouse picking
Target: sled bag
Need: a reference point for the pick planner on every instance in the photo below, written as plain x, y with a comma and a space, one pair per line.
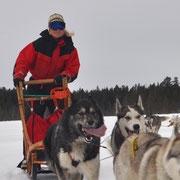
37, 126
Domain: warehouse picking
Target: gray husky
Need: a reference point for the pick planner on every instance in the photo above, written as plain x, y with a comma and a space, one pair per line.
130, 119
72, 144
148, 156
153, 122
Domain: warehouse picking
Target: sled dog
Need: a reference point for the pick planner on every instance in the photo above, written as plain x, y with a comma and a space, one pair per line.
130, 120
153, 122
72, 144
148, 156
175, 120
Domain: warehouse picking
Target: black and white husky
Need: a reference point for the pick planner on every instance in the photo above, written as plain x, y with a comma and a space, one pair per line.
130, 119
72, 144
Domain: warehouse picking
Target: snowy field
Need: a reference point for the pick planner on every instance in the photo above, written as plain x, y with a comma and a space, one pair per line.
11, 151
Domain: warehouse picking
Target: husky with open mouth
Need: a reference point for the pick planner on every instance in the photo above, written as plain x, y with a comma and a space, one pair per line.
72, 145
130, 119
153, 122
148, 156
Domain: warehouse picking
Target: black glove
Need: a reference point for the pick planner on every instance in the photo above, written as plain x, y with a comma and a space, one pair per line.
17, 80
58, 80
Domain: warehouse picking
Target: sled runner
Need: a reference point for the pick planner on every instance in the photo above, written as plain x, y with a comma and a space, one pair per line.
35, 127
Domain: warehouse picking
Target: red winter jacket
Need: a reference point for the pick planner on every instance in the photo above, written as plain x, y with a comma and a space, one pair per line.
45, 58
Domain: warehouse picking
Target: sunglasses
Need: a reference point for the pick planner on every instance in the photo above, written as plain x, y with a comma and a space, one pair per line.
57, 25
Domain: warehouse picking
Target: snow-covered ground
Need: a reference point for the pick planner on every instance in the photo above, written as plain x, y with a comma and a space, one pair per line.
11, 151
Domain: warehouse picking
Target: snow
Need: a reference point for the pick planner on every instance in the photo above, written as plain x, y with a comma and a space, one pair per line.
11, 150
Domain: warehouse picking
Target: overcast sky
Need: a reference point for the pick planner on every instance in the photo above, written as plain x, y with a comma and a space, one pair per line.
120, 42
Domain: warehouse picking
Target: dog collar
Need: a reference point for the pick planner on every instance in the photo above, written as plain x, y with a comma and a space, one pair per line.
73, 162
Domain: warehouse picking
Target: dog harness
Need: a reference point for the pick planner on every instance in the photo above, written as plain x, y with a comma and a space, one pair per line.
134, 146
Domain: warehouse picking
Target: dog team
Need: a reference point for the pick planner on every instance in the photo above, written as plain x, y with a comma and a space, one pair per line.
72, 145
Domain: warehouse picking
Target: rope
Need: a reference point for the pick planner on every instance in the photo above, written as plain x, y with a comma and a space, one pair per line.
171, 124
106, 158
105, 139
106, 148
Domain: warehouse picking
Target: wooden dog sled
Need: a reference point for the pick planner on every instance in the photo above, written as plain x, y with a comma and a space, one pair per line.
34, 149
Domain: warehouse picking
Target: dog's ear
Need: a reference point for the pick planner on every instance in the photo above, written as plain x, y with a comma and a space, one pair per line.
139, 103
73, 99
118, 106
92, 100
95, 104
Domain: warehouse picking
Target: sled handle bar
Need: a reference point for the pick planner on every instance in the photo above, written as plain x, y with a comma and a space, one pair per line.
41, 81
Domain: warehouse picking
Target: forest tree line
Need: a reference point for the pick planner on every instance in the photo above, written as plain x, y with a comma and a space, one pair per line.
158, 98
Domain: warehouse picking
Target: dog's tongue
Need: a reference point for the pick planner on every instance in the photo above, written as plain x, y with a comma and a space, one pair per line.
99, 132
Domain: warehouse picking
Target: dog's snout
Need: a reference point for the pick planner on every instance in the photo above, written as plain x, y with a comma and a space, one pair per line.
90, 122
136, 127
